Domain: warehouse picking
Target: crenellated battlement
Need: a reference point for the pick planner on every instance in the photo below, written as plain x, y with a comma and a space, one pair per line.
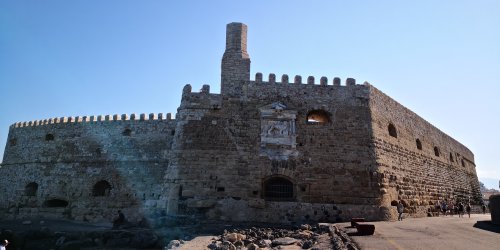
298, 80
95, 118
199, 100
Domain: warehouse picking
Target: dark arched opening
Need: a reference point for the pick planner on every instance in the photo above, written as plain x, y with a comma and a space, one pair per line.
318, 117
278, 189
127, 132
101, 188
31, 189
419, 144
55, 203
436, 151
49, 137
451, 158
392, 130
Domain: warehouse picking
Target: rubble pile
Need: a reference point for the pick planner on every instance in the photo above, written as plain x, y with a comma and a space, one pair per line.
318, 237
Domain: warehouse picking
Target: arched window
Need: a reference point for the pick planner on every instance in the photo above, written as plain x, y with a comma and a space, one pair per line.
451, 157
55, 203
98, 152
419, 144
318, 117
30, 189
101, 188
436, 151
278, 189
463, 163
127, 132
49, 137
392, 130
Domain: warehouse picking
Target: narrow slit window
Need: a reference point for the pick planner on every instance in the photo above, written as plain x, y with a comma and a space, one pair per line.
436, 151
419, 144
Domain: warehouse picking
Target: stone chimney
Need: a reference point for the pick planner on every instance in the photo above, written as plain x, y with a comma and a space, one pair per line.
235, 68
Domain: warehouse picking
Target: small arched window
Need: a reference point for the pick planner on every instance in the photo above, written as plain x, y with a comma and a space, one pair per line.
436, 151
278, 189
31, 189
318, 117
101, 188
419, 144
392, 130
49, 137
451, 157
463, 163
127, 132
98, 152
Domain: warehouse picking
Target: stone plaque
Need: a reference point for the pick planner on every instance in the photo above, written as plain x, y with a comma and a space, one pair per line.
278, 136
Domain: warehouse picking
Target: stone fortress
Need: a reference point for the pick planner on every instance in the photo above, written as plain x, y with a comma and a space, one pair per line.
264, 151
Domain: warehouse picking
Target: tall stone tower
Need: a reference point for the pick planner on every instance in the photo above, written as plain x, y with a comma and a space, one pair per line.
235, 68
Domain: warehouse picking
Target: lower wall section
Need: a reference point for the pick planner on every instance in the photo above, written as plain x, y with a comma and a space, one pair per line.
83, 191
259, 210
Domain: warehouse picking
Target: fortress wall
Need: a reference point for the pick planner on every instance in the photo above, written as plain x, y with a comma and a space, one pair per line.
68, 168
102, 139
220, 165
419, 177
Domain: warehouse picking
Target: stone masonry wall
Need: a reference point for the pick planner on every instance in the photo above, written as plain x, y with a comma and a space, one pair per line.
218, 165
418, 176
66, 158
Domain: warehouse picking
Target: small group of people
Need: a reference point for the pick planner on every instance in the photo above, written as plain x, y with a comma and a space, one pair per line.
444, 207
453, 208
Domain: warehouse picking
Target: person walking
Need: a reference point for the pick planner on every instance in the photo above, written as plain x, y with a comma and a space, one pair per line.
484, 208
400, 208
467, 208
460, 209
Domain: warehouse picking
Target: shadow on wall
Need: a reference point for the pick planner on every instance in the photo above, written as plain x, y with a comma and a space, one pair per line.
488, 226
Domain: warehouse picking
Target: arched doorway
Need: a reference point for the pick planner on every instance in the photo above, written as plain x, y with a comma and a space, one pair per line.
101, 188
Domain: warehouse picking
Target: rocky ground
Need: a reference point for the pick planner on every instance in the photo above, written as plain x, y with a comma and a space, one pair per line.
68, 235
318, 237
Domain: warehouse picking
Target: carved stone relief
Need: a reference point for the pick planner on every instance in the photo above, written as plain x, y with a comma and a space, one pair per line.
278, 136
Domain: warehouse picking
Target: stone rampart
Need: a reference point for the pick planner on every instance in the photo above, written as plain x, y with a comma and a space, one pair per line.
85, 168
417, 162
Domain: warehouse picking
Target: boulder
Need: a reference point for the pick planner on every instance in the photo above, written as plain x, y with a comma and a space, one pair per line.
284, 241
307, 244
252, 246
226, 245
233, 237
173, 243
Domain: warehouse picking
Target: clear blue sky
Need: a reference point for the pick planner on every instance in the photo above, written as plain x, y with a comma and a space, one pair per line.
440, 59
